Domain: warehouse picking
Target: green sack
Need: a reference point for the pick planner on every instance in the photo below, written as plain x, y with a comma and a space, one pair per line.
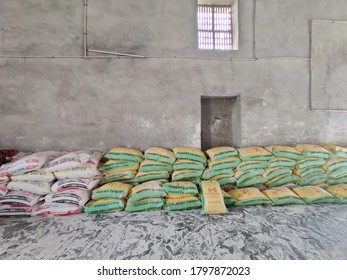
145, 190
222, 164
123, 154
222, 152
228, 199
186, 175
150, 176
115, 165
282, 196
308, 171
287, 152
115, 190
335, 163
147, 204
338, 173
271, 173
151, 165
182, 164
226, 181
314, 194
209, 173
242, 176
249, 196
249, 165
180, 188
342, 180
103, 206
282, 162
184, 203
281, 180
118, 176
190, 154
339, 191
310, 162
255, 181
314, 179
160, 154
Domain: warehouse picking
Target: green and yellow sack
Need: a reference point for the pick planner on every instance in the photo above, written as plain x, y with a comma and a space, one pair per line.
222, 164
282, 196
123, 154
252, 182
160, 154
190, 154
254, 154
222, 181
148, 204
250, 165
281, 162
313, 151
184, 203
313, 179
335, 163
287, 152
212, 198
243, 176
150, 176
271, 173
339, 191
104, 205
342, 180
184, 164
281, 180
337, 150
151, 165
118, 176
310, 162
145, 190
180, 189
249, 196
228, 199
222, 152
338, 173
209, 173
112, 190
118, 165
308, 171
186, 175
314, 194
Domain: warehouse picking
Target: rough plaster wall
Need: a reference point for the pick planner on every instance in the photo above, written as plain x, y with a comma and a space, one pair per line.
75, 103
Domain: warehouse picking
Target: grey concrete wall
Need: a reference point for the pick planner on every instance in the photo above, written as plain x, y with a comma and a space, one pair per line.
70, 103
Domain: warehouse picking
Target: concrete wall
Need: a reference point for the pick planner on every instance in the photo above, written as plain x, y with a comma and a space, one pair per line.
69, 102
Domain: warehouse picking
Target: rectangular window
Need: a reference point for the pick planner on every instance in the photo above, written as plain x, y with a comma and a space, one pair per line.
216, 25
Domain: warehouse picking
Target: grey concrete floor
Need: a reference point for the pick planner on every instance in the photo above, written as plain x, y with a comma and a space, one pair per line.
259, 232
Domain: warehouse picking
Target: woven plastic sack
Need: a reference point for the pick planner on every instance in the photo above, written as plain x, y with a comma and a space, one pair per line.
16, 211
209, 173
148, 204
123, 154
75, 184
225, 180
282, 196
20, 198
226, 163
342, 180
38, 176
190, 154
249, 196
40, 188
308, 171
186, 175
252, 182
212, 198
281, 180
339, 191
145, 190
310, 162
250, 165
337, 150
114, 190
180, 189
222, 152
184, 203
151, 165
150, 176
271, 173
314, 151
243, 176
118, 165
57, 209
228, 199
313, 179
78, 197
83, 171
160, 154
314, 194
287, 152
335, 163
281, 162
104, 206
118, 176
183, 164
254, 154
338, 173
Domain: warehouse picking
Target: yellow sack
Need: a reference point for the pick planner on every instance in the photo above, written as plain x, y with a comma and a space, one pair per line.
118, 176
314, 151
118, 165
125, 154
145, 190
190, 154
287, 152
254, 153
282, 196
335, 163
212, 198
248, 196
314, 194
152, 165
225, 163
160, 154
337, 150
221, 153
112, 190
339, 191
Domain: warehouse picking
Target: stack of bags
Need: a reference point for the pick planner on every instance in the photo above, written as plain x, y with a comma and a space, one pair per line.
309, 169
77, 174
110, 197
181, 196
249, 172
158, 164
146, 196
190, 164
28, 184
336, 167
221, 164
122, 165
279, 171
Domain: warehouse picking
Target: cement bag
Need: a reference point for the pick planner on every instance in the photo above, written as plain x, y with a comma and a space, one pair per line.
75, 184
339, 191
16, 211
342, 180
242, 176
226, 163
3, 189
212, 198
84, 171
209, 173
150, 189
180, 189
222, 152
118, 176
250, 165
271, 173
147, 204
252, 182
186, 175
310, 162
282, 196
150, 176
29, 163
57, 209
338, 173
314, 194
40, 188
151, 165
104, 205
281, 162
335, 163
20, 198
281, 180
308, 171
224, 180
38, 176
4, 179
131, 182
183, 164
337, 150
116, 190
69, 160
125, 154
118, 165
79, 197
228, 199
314, 151
160, 154
190, 154
313, 179
254, 154
183, 203
249, 196
287, 152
